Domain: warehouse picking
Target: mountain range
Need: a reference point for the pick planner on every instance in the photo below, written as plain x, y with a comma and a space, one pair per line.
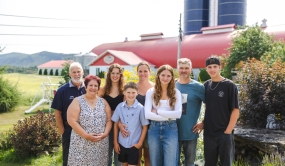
27, 60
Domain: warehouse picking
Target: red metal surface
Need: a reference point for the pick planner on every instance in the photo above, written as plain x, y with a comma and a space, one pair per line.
164, 51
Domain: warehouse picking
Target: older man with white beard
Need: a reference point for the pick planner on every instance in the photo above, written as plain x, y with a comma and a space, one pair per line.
62, 99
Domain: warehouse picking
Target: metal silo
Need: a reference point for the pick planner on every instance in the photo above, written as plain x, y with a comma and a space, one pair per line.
232, 11
196, 16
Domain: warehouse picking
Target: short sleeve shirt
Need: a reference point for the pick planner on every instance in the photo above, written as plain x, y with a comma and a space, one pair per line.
64, 96
134, 118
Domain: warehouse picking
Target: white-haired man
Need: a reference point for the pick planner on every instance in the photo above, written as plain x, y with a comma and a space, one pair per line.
62, 99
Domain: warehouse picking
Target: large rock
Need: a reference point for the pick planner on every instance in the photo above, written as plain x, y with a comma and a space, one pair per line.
252, 144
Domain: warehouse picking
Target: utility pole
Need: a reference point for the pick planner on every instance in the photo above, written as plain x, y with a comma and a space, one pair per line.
179, 39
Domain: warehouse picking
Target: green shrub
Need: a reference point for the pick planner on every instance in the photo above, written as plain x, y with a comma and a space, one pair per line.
51, 72
262, 89
56, 72
203, 75
5, 140
273, 160
101, 74
10, 95
35, 135
40, 72
45, 72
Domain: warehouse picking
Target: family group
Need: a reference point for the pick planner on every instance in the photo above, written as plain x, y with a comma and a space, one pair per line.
122, 123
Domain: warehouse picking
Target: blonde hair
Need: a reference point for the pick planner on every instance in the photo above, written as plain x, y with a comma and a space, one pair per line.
109, 81
170, 88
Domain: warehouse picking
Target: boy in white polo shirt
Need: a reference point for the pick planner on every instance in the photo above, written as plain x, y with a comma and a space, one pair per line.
131, 113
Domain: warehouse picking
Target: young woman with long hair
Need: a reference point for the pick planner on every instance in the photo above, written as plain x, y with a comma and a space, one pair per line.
163, 106
112, 92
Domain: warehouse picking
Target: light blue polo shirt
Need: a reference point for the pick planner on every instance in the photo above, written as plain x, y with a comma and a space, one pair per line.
134, 118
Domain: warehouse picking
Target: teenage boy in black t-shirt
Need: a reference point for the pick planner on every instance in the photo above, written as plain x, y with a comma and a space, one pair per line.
222, 112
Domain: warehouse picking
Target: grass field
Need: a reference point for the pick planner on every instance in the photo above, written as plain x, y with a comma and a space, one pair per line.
29, 85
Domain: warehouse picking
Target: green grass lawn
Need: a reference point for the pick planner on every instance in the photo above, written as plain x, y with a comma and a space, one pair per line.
29, 85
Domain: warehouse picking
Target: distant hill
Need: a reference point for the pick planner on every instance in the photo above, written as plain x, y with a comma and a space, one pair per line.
27, 60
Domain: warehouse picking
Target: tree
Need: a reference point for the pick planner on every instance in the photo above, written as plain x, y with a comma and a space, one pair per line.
56, 72
40, 72
45, 72
250, 43
65, 73
51, 72
276, 52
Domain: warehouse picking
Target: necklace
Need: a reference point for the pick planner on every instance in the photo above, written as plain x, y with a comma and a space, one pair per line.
215, 86
91, 101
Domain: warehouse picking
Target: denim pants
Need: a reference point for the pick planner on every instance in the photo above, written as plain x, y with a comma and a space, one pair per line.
189, 151
111, 150
221, 146
163, 143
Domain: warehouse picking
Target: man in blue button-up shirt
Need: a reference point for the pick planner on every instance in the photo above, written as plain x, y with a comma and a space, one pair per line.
131, 113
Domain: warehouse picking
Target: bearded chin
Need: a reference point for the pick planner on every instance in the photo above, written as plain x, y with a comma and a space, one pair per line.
77, 81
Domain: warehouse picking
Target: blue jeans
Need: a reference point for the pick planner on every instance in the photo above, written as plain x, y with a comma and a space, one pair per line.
111, 150
189, 151
221, 146
163, 143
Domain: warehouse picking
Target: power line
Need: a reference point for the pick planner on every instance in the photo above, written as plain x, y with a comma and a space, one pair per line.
35, 26
48, 18
50, 35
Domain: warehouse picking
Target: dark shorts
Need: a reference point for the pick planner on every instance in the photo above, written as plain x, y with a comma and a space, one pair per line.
129, 155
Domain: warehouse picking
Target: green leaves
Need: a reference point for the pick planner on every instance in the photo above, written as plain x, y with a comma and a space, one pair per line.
262, 89
35, 135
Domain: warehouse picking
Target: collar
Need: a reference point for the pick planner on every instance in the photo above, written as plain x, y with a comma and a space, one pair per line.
71, 84
134, 105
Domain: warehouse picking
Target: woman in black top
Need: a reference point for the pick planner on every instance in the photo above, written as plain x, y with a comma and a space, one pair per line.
143, 71
112, 92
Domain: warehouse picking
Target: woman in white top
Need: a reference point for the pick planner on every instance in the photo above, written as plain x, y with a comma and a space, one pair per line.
163, 106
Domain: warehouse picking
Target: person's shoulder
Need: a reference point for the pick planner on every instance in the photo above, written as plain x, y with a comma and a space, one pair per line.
150, 90
228, 81
63, 87
207, 82
195, 82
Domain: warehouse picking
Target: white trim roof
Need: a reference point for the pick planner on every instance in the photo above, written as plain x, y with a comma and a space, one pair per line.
129, 57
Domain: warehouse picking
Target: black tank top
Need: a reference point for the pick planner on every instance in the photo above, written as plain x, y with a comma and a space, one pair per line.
141, 99
113, 102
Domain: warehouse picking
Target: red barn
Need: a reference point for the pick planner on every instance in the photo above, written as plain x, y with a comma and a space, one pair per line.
157, 50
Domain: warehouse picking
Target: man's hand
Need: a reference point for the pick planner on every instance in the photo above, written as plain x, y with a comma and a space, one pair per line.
198, 127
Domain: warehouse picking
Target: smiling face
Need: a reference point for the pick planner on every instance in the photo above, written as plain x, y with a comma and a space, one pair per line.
115, 75
184, 70
76, 74
130, 94
92, 87
213, 70
165, 77
143, 72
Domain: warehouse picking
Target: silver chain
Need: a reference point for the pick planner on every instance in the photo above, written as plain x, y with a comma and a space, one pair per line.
211, 85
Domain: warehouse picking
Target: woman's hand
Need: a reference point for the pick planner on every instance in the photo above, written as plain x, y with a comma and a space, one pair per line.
124, 129
154, 110
94, 137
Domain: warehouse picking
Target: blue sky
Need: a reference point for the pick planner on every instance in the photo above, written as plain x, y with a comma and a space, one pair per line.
82, 25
